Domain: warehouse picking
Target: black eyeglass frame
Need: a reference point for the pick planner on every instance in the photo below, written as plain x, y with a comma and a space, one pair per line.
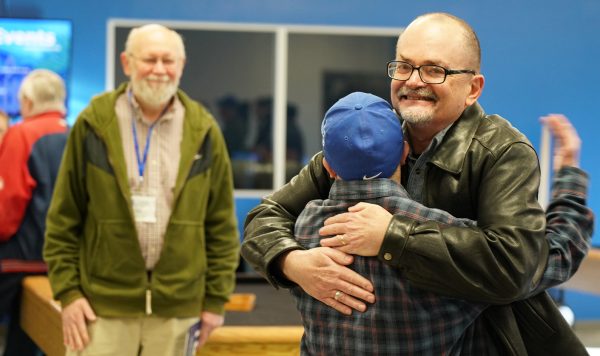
447, 71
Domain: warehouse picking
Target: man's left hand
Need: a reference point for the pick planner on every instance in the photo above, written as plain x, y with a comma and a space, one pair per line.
210, 321
360, 231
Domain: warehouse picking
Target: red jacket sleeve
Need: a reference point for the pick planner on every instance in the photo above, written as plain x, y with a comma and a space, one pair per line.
16, 184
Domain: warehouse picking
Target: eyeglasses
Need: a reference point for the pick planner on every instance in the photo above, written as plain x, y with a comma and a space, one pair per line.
167, 62
430, 74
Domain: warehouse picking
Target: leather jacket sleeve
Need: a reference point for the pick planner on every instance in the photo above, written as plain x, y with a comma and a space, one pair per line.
269, 227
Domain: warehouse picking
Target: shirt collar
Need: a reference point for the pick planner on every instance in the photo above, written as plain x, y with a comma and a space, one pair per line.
365, 189
432, 145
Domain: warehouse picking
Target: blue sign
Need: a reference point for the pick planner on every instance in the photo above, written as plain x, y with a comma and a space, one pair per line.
28, 44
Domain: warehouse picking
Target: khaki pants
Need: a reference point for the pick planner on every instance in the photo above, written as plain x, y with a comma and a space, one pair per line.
127, 336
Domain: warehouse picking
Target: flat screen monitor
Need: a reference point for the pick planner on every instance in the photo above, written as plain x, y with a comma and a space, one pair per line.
28, 44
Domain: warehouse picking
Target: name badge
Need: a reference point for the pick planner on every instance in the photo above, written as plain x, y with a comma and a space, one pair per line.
144, 208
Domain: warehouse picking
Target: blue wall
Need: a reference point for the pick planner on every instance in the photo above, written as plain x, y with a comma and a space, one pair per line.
539, 56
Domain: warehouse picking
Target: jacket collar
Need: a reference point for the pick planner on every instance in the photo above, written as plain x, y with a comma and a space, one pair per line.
103, 121
45, 115
451, 154
105, 116
366, 189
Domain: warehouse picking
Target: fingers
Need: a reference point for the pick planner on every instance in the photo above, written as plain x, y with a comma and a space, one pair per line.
337, 219
354, 297
348, 281
322, 271
81, 323
342, 308
72, 337
561, 128
335, 228
567, 144
363, 232
336, 225
88, 312
344, 303
82, 333
204, 334
74, 318
349, 301
359, 207
338, 256
338, 241
67, 337
210, 321
78, 339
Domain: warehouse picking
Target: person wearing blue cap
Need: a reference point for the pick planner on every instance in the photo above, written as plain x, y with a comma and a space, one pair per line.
363, 148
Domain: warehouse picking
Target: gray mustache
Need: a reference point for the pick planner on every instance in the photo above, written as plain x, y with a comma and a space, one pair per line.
424, 92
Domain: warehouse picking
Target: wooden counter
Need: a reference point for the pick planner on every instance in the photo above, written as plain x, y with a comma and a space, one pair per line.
41, 320
40, 316
254, 340
253, 333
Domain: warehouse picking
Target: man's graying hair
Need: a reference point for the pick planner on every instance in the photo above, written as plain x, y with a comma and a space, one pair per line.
135, 32
45, 89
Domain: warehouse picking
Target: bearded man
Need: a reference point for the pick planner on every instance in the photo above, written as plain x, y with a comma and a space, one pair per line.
141, 238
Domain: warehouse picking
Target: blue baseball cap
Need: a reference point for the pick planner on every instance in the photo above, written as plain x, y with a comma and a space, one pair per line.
362, 137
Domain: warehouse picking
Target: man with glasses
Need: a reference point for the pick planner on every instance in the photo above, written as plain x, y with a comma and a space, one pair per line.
141, 237
462, 161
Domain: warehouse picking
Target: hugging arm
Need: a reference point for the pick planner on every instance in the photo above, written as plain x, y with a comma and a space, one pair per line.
269, 227
270, 248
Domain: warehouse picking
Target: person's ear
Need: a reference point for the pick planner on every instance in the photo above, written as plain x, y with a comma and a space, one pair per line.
329, 170
405, 152
477, 83
125, 63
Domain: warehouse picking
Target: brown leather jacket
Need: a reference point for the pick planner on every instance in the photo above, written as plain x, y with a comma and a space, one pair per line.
484, 170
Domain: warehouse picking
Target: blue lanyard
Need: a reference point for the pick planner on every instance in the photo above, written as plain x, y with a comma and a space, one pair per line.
141, 161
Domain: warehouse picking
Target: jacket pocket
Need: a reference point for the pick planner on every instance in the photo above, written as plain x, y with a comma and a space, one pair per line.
182, 265
115, 257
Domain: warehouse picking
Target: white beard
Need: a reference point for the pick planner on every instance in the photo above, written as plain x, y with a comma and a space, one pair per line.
157, 93
416, 116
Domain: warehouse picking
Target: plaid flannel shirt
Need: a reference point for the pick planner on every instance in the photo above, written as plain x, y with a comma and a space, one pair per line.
406, 320
569, 227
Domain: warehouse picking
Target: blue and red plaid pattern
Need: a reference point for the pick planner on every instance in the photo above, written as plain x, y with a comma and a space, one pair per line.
409, 321
569, 227
404, 320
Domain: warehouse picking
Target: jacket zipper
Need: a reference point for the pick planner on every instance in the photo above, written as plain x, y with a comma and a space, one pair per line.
149, 295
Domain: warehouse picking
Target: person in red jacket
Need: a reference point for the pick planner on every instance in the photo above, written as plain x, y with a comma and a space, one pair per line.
30, 155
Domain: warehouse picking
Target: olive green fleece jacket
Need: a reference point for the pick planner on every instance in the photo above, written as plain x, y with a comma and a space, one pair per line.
92, 248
